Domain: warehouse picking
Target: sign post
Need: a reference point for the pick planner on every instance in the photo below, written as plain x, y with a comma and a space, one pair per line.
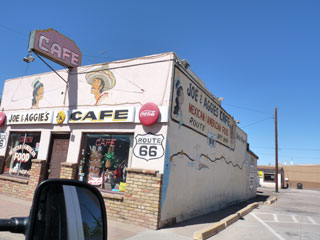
276, 143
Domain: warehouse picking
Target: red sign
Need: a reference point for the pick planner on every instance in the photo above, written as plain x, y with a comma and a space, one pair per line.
58, 48
2, 118
149, 114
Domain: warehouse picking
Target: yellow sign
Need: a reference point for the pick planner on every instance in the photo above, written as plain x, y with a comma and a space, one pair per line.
122, 187
61, 116
260, 174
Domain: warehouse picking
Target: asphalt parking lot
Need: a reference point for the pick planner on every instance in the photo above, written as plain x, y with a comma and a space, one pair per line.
296, 215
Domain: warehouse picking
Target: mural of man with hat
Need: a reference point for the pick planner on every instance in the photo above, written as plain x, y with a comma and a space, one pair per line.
101, 80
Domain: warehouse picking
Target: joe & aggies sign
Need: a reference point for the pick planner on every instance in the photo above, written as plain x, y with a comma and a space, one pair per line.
195, 108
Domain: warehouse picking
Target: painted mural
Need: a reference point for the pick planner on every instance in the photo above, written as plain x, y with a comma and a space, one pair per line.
195, 108
201, 165
179, 99
109, 84
101, 81
37, 93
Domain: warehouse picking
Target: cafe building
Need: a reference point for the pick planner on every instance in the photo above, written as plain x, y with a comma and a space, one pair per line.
145, 131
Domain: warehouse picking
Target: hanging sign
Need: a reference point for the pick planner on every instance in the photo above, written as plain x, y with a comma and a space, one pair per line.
55, 46
149, 114
149, 146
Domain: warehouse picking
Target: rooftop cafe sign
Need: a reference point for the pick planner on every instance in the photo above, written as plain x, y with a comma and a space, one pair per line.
55, 46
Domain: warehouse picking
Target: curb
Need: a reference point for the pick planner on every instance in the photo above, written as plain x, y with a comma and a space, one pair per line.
271, 200
214, 228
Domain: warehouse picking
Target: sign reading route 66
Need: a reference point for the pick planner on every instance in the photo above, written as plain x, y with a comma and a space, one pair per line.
149, 146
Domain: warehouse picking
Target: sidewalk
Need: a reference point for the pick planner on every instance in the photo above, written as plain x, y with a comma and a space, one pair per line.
12, 207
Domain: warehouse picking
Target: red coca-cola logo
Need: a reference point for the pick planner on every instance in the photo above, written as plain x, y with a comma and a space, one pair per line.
2, 118
149, 114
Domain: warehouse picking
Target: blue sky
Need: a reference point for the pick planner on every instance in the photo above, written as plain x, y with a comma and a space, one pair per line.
257, 55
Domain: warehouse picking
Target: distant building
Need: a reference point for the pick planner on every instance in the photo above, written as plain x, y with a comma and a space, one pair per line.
267, 176
295, 176
307, 175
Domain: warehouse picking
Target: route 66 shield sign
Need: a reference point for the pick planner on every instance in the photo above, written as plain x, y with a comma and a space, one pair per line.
149, 146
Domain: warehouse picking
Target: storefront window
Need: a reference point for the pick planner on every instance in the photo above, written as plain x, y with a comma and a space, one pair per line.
104, 159
22, 148
269, 177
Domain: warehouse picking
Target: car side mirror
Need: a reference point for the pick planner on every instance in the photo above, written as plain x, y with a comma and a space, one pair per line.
67, 209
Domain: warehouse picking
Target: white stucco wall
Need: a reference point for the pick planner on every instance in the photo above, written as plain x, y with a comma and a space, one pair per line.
136, 82
200, 177
190, 191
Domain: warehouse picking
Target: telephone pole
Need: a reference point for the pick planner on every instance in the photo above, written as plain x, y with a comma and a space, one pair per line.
276, 148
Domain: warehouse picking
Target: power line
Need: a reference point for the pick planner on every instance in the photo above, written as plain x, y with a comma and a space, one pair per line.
285, 156
98, 57
12, 30
254, 123
295, 149
249, 109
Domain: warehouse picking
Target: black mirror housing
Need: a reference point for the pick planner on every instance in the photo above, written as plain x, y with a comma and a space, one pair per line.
67, 209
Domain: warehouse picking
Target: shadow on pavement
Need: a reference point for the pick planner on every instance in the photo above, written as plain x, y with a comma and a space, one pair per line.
222, 213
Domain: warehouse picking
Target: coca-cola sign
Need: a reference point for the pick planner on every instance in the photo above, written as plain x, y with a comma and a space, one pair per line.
2, 118
149, 114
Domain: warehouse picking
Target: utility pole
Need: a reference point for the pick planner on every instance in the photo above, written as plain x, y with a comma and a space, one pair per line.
276, 148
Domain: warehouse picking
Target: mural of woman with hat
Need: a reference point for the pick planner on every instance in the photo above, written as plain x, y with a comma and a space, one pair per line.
101, 80
179, 101
37, 94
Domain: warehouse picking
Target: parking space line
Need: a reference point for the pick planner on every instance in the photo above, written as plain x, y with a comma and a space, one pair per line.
312, 221
268, 227
275, 217
294, 219
286, 222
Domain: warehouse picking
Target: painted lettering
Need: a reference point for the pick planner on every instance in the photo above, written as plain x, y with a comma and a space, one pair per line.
211, 107
66, 53
149, 140
14, 118
90, 115
105, 114
196, 124
196, 112
225, 131
193, 92
74, 59
121, 115
42, 41
56, 50
213, 123
224, 118
76, 116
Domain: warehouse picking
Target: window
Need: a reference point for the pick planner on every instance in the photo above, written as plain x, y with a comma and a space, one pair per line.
22, 148
268, 177
104, 159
